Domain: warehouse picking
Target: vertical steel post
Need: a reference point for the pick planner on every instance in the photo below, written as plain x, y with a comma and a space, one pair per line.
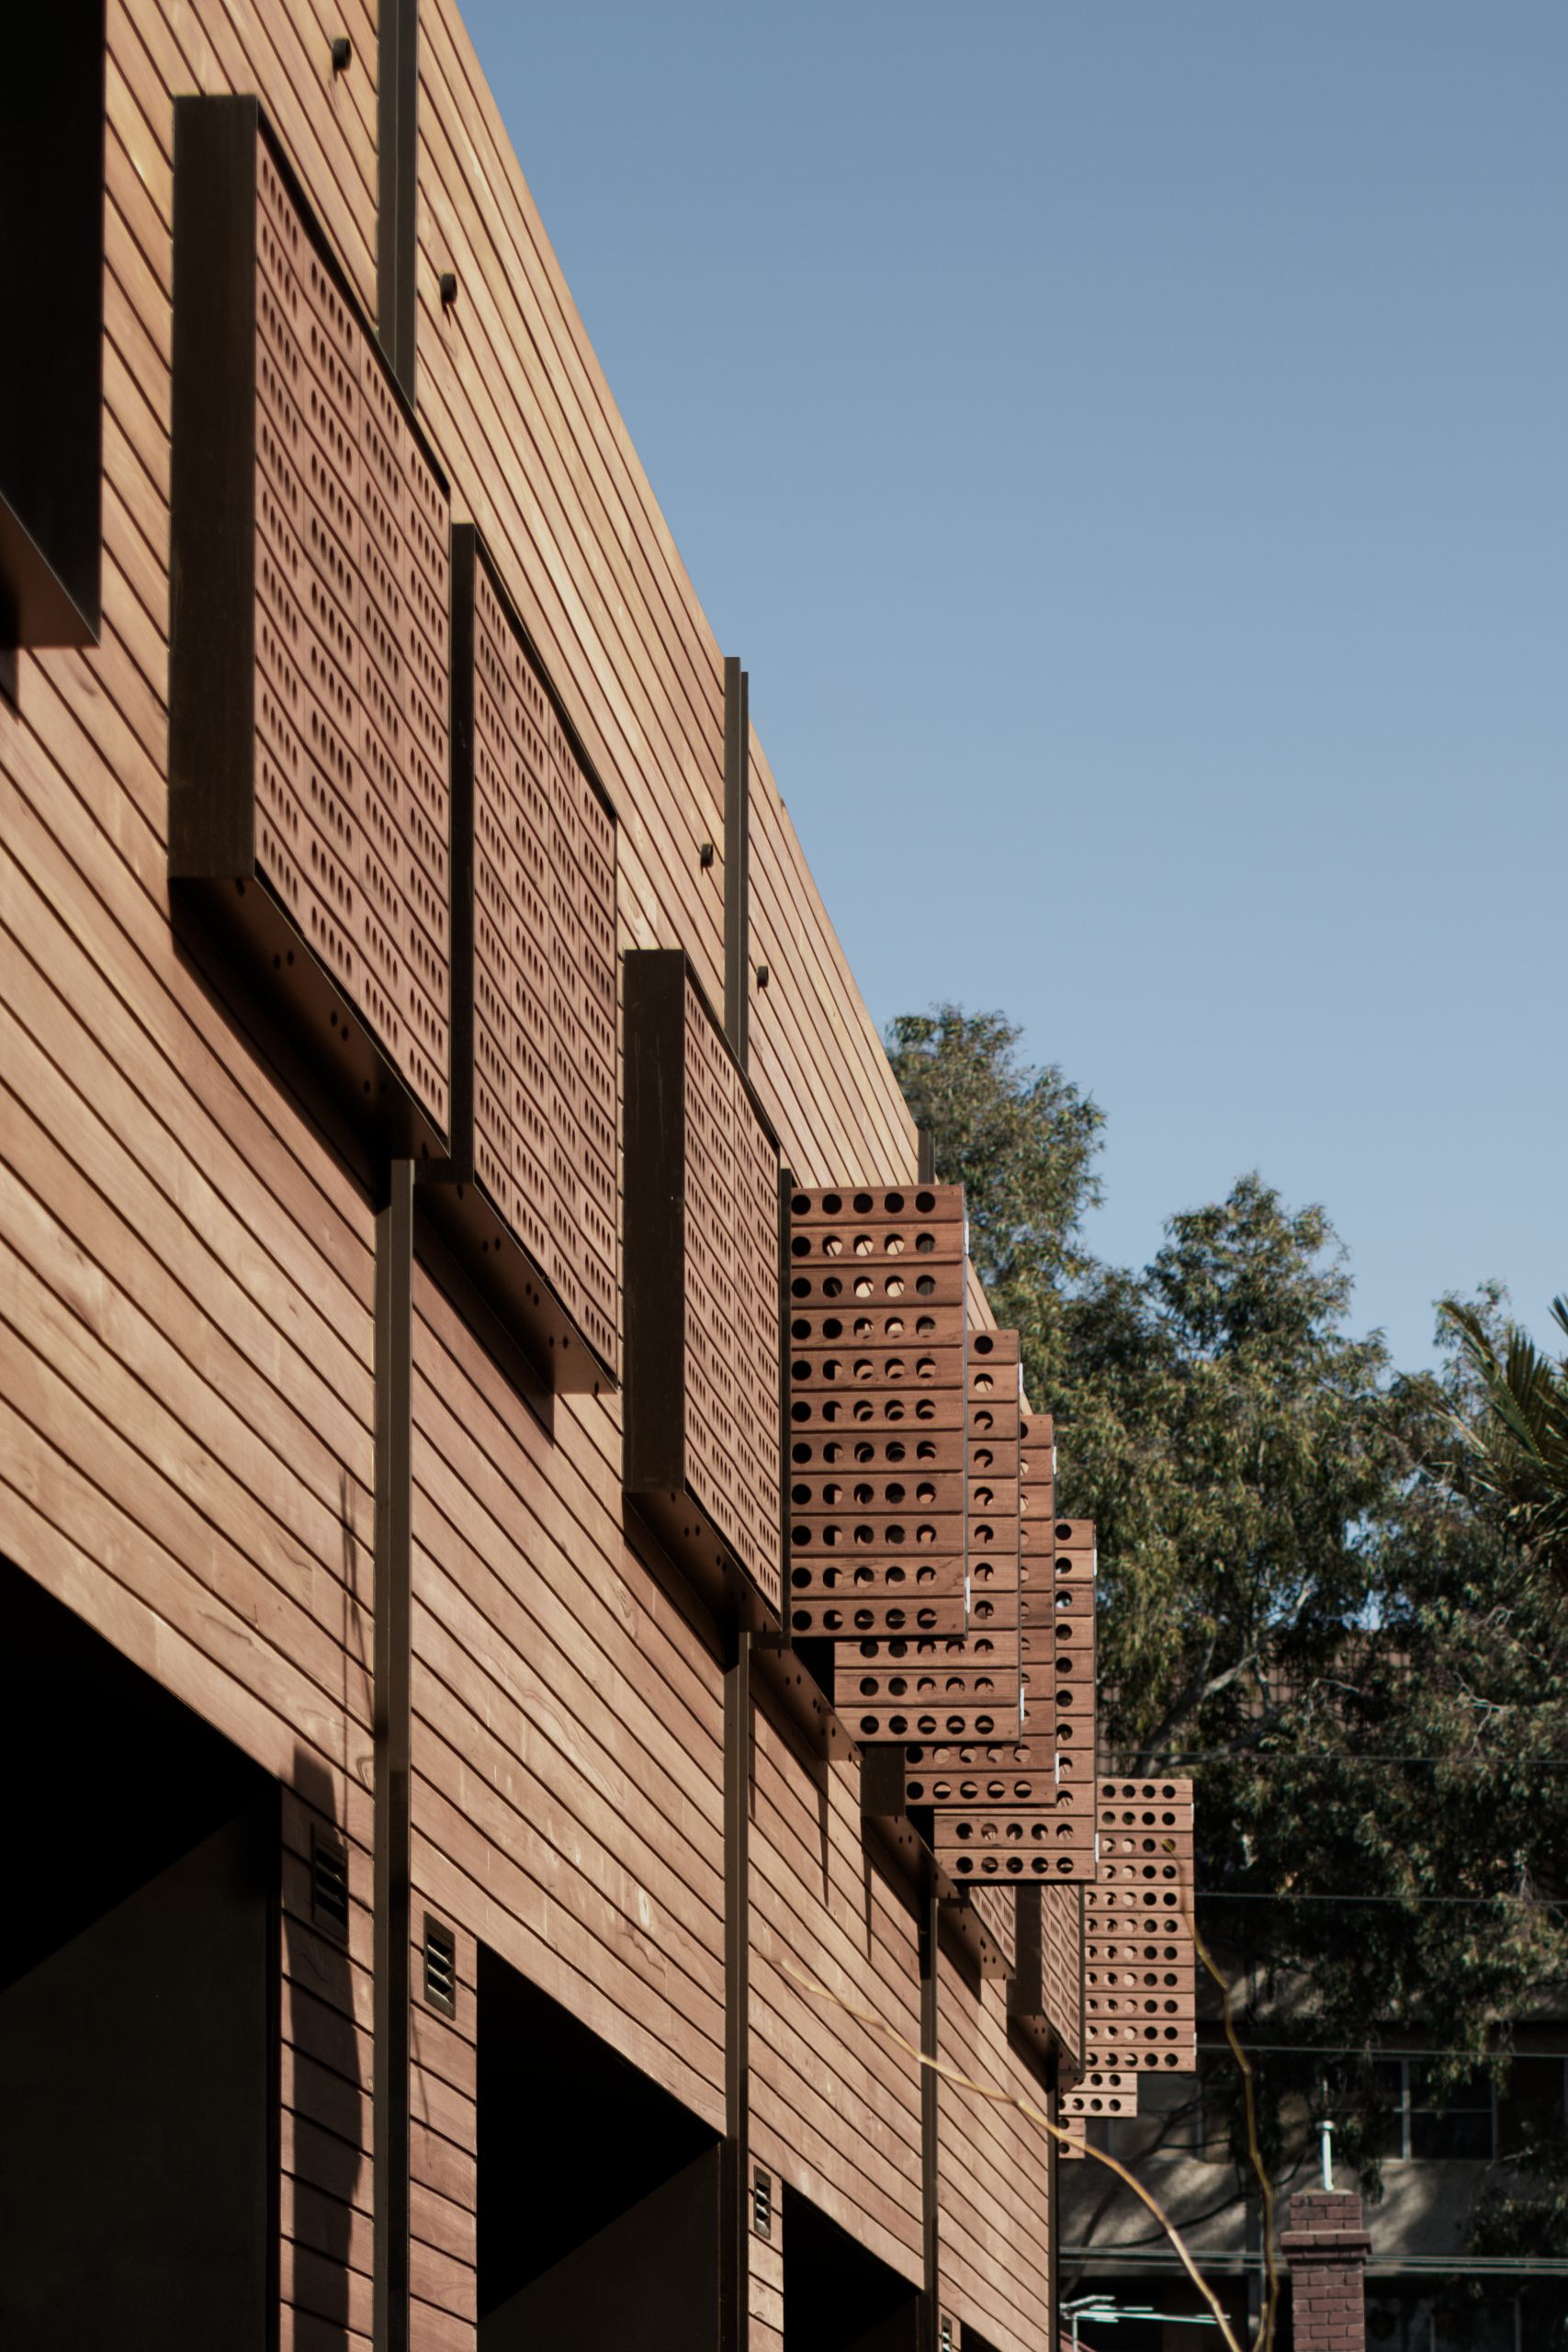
394, 1507
930, 2301
396, 211
734, 2262
1053, 2206
737, 859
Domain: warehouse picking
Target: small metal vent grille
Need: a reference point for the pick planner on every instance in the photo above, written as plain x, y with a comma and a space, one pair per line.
329, 1884
440, 1966
762, 2204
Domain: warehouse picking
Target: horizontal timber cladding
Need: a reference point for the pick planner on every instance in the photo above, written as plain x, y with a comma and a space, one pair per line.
308, 786
444, 2133
568, 1719
702, 1249
531, 1192
993, 2172
1140, 1963
326, 2072
835, 2105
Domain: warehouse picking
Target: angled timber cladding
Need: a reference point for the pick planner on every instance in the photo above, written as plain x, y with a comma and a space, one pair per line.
448, 1379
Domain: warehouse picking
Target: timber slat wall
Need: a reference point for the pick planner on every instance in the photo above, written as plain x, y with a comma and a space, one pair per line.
187, 1278
568, 1723
993, 2170
835, 2108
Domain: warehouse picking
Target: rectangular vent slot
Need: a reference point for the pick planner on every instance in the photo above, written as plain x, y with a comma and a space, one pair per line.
440, 1967
762, 2204
329, 1884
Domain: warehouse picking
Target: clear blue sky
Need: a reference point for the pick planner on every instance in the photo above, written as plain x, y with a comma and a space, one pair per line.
1127, 441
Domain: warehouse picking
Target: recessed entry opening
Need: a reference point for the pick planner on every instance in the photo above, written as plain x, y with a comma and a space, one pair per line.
839, 2297
139, 1984
598, 2192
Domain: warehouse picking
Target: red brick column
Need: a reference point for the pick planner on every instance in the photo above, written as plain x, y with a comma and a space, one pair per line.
1327, 2247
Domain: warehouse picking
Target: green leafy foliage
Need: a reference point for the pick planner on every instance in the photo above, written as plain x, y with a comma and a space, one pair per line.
1514, 1451
1310, 1563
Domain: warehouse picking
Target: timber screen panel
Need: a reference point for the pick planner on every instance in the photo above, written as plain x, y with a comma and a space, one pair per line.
702, 1272
308, 668
534, 1200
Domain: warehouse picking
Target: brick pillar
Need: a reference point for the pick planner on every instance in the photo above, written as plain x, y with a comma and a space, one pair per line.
1327, 2247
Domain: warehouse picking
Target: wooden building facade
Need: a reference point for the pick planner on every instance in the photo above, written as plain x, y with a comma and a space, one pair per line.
421, 1043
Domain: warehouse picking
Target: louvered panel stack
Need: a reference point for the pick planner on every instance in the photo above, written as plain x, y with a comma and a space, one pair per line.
1140, 1971
1059, 1572
702, 1437
1001, 1809
877, 1332
534, 1158
1036, 1514
309, 752
958, 1678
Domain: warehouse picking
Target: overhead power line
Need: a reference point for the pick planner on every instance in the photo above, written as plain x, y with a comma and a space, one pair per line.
1172, 1758
1222, 1894
1373, 2051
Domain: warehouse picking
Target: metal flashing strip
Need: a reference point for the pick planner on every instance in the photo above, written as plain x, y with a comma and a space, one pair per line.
736, 860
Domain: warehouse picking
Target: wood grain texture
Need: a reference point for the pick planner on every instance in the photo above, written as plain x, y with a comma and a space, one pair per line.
186, 1385
993, 2174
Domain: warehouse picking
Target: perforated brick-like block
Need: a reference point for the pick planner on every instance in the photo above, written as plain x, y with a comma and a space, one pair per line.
970, 1659
876, 1352
1140, 1963
531, 1197
310, 636
1102, 2093
703, 1367
998, 1811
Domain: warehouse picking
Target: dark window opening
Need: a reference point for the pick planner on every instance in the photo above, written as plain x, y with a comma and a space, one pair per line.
598, 2192
839, 2297
139, 2006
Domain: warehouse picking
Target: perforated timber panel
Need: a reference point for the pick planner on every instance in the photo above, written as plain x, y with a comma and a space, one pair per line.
924, 1681
1062, 1961
1140, 1972
543, 1149
352, 643
310, 634
875, 1410
732, 1312
702, 1437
